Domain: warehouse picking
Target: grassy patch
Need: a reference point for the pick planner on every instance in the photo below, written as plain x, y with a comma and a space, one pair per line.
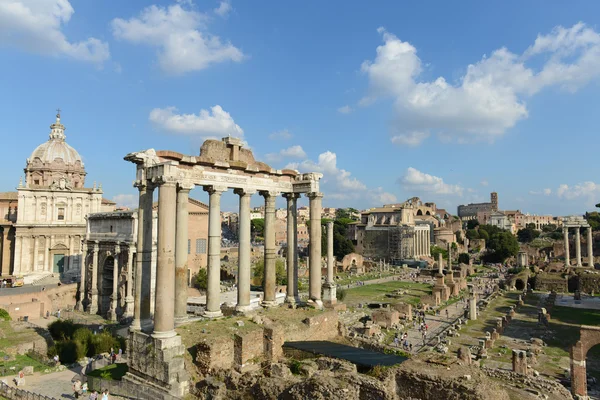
19, 363
578, 316
377, 292
113, 372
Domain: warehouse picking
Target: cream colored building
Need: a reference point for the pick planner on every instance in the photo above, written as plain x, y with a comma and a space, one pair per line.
52, 206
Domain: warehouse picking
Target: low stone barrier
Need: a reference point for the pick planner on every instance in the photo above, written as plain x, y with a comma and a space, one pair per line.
12, 393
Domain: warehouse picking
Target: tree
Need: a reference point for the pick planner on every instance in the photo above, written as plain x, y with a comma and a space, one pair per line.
435, 250
201, 279
527, 235
341, 244
463, 258
258, 272
472, 234
501, 246
484, 235
472, 224
549, 228
593, 219
258, 227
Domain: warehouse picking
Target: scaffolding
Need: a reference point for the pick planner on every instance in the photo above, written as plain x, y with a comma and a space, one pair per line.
400, 243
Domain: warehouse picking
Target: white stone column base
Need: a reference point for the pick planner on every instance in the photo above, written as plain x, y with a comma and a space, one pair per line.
164, 335
243, 309
128, 307
292, 300
212, 314
329, 294
93, 306
181, 320
268, 303
318, 304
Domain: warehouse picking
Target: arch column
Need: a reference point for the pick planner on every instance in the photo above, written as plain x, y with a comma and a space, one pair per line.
270, 279
590, 247
213, 290
93, 306
83, 280
129, 287
578, 246
292, 248
181, 253
314, 288
164, 306
567, 250
112, 313
244, 251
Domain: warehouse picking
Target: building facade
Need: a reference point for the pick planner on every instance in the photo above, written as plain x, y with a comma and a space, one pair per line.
469, 211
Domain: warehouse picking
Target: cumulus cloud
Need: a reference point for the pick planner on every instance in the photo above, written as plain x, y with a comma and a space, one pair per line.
214, 123
490, 97
418, 181
587, 190
545, 192
338, 183
36, 26
180, 37
126, 200
345, 110
484, 182
224, 9
410, 139
291, 152
281, 135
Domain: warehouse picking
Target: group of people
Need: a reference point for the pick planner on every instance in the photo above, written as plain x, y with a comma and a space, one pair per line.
80, 389
406, 346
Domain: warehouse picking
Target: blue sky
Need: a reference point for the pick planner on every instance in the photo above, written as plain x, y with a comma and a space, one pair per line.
441, 100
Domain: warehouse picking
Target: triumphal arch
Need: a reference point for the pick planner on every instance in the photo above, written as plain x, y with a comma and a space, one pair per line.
220, 166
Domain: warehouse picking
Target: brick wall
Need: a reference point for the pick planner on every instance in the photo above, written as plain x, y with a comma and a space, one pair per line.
248, 348
35, 304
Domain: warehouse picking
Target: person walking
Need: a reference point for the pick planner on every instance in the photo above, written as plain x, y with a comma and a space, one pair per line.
93, 395
105, 395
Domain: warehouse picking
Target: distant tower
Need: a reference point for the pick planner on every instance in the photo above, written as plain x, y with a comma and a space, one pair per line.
494, 197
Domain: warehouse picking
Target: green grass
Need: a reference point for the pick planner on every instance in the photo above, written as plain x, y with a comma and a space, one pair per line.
578, 316
19, 362
113, 372
346, 279
377, 292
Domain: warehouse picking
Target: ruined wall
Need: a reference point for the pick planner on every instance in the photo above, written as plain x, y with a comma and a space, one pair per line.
588, 283
548, 282
35, 304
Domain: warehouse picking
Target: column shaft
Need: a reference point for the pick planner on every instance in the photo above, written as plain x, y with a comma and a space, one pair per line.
141, 301
567, 252
296, 255
129, 287
578, 246
314, 289
83, 279
114, 296
164, 307
270, 269
181, 255
213, 292
292, 250
330, 257
590, 247
93, 309
244, 252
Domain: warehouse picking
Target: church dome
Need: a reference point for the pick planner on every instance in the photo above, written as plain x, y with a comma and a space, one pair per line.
54, 160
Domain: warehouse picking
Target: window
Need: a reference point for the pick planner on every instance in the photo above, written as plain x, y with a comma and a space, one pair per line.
61, 214
200, 246
189, 246
36, 181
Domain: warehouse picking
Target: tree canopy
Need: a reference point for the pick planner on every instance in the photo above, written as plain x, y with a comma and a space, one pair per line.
463, 258
258, 227
502, 245
258, 272
472, 224
528, 234
341, 244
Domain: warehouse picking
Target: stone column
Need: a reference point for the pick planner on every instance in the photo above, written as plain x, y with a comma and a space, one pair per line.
450, 256
112, 313
164, 306
213, 290
578, 246
47, 262
129, 287
181, 253
567, 255
292, 249
472, 304
35, 254
143, 258
296, 256
440, 263
244, 252
590, 247
329, 289
93, 306
80, 306
314, 288
270, 279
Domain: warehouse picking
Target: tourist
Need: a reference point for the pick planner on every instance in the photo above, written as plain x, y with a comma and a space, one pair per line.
93, 395
84, 388
447, 314
105, 395
396, 341
58, 314
77, 388
120, 353
56, 360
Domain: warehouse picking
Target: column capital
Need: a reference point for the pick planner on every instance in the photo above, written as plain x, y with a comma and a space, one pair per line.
244, 192
185, 186
268, 193
329, 224
164, 180
143, 184
290, 196
214, 189
117, 249
95, 245
314, 195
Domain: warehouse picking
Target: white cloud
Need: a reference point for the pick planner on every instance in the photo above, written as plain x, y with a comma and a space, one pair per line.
291, 152
410, 139
547, 192
36, 26
484, 182
178, 35
214, 123
490, 96
339, 183
281, 135
418, 181
224, 9
345, 110
126, 200
588, 190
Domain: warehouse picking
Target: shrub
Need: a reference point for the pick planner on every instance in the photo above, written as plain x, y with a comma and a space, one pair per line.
341, 294
102, 342
4, 316
62, 329
70, 351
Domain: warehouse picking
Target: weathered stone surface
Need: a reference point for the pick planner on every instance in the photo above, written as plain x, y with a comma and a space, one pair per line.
464, 355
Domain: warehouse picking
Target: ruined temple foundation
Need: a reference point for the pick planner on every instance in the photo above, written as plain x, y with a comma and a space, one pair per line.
158, 362
441, 288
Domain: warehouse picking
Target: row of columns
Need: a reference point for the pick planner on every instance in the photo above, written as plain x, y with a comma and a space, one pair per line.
422, 243
590, 249
171, 268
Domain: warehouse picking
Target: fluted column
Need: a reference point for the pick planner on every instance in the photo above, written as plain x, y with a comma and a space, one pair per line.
314, 289
330, 257
292, 250
590, 247
164, 305
143, 258
181, 253
578, 246
567, 255
213, 290
244, 251
129, 287
93, 307
112, 313
80, 306
270, 269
